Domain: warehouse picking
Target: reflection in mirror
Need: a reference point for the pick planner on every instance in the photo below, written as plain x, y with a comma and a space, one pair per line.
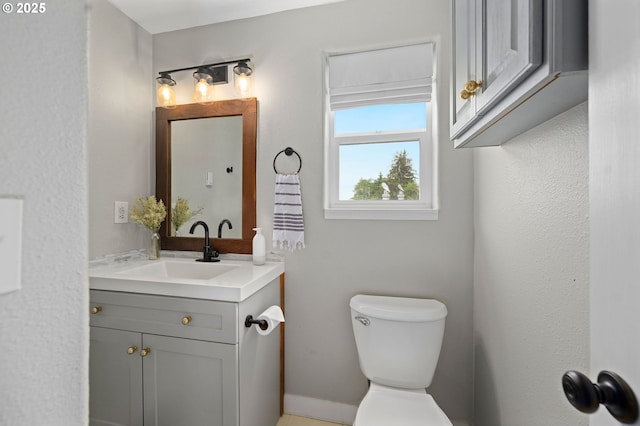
206, 163
206, 154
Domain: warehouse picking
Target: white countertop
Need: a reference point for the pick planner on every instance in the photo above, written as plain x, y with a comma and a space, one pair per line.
240, 281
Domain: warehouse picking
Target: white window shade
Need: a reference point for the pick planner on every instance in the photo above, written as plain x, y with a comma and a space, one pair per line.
400, 74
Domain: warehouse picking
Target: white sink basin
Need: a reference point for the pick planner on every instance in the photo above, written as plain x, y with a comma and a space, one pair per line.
183, 270
227, 280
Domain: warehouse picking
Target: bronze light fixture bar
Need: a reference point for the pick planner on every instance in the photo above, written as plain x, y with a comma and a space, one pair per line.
205, 76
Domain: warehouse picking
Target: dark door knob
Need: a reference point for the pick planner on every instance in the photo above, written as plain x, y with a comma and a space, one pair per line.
611, 391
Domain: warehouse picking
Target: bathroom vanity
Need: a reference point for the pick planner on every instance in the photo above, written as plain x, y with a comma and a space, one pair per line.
169, 345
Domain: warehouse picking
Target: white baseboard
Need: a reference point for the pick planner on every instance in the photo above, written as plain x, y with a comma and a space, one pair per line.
320, 409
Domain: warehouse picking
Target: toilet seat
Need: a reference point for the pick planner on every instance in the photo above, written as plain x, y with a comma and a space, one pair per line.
385, 406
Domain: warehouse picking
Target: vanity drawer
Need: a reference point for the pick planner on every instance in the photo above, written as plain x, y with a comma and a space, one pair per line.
167, 316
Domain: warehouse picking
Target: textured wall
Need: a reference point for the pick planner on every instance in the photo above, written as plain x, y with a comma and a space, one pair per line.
44, 326
120, 126
531, 281
342, 258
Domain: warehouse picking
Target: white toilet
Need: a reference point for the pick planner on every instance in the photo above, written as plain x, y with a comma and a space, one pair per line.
398, 341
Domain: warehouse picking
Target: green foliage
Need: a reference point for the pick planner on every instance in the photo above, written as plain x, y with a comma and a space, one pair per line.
401, 173
368, 189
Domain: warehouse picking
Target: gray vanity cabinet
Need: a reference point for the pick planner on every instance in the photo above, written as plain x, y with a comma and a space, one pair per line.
116, 378
516, 63
189, 382
167, 361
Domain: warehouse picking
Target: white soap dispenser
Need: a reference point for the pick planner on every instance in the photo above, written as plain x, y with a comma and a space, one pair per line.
259, 247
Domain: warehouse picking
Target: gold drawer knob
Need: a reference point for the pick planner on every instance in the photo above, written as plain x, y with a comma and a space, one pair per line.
144, 352
96, 309
132, 350
186, 320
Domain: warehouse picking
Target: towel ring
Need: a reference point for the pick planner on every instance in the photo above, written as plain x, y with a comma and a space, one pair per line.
288, 152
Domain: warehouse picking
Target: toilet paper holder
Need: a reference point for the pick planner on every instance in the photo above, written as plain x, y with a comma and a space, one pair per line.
249, 321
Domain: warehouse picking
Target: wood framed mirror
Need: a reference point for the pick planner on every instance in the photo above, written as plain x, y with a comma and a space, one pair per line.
206, 154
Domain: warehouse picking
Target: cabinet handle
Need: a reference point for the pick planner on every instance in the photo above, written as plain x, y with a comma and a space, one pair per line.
472, 86
469, 89
96, 309
132, 349
144, 352
186, 320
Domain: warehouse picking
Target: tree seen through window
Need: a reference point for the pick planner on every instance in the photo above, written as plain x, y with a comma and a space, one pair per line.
400, 180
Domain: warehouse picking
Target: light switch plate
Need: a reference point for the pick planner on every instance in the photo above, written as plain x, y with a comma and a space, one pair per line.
10, 244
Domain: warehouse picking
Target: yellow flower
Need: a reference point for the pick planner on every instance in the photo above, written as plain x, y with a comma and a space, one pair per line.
149, 212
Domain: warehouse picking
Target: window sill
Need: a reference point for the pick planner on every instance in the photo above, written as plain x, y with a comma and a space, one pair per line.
380, 214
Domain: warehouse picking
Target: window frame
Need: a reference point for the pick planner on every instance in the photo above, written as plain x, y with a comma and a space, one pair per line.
424, 209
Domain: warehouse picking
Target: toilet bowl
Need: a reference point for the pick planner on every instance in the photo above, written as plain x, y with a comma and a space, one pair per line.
398, 341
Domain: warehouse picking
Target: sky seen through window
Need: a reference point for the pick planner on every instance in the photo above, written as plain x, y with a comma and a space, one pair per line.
368, 160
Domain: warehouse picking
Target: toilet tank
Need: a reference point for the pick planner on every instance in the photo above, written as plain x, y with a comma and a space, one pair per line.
398, 338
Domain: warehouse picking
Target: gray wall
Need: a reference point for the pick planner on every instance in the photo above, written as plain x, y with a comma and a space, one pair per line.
120, 126
44, 326
342, 258
531, 280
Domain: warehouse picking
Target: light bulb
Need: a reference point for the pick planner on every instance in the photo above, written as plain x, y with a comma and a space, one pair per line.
243, 85
242, 79
166, 96
202, 92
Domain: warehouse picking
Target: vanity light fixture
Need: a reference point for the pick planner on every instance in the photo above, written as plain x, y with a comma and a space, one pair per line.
205, 76
242, 77
166, 94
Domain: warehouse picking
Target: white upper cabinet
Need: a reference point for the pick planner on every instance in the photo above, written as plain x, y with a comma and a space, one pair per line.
516, 63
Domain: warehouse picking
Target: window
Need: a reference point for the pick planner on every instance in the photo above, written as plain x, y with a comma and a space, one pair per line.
379, 150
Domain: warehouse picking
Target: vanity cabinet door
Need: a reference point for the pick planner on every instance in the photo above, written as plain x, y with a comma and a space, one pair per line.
190, 382
115, 375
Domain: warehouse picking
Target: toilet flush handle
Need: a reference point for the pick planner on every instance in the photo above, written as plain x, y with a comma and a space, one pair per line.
364, 320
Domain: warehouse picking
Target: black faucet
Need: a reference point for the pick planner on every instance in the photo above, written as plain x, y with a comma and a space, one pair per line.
222, 222
209, 254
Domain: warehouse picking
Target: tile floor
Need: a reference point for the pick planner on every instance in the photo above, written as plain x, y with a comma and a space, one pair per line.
291, 420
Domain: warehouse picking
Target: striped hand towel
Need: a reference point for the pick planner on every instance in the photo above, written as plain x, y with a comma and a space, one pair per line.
288, 223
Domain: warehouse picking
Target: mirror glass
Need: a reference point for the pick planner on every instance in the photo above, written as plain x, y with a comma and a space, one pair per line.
206, 154
206, 163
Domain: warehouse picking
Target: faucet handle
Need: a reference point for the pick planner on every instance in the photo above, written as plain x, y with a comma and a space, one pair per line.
209, 255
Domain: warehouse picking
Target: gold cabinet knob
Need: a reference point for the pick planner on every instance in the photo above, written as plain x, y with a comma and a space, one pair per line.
186, 320
96, 309
472, 86
469, 89
145, 352
132, 349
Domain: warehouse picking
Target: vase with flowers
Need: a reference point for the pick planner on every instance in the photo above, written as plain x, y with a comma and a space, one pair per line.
150, 213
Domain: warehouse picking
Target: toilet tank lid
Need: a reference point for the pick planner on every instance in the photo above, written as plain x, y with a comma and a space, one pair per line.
399, 308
